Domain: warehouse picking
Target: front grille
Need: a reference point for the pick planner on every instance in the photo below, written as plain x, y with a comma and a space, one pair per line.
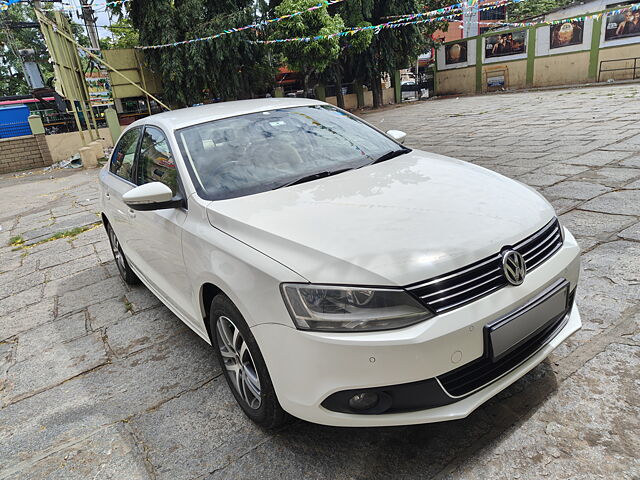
485, 276
474, 375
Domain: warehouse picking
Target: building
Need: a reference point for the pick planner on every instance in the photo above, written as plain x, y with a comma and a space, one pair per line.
593, 41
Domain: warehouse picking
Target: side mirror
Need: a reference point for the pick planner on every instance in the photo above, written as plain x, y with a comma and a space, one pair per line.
152, 196
397, 135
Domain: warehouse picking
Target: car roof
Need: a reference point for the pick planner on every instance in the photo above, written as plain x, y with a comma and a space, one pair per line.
185, 117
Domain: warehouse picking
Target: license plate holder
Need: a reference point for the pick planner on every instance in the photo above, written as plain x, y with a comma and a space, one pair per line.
507, 333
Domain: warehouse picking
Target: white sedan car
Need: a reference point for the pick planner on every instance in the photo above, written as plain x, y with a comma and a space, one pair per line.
340, 276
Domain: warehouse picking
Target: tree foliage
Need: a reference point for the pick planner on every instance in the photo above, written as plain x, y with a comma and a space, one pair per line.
124, 35
533, 8
12, 80
229, 67
314, 57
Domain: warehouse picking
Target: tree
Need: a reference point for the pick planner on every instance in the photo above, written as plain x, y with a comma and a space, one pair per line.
314, 57
227, 67
389, 49
124, 35
533, 8
12, 80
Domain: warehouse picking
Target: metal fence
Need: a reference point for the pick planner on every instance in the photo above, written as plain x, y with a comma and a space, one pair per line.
16, 129
620, 69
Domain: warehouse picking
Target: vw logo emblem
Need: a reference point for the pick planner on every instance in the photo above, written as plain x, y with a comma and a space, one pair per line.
513, 267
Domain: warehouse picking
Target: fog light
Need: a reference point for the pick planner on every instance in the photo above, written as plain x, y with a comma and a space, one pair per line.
363, 400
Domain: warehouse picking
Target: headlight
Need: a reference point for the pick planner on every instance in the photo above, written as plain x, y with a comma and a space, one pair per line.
351, 309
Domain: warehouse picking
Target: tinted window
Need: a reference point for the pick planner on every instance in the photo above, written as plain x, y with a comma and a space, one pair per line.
155, 162
122, 161
256, 152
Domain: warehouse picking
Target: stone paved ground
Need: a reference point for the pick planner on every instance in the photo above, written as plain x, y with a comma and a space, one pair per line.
98, 380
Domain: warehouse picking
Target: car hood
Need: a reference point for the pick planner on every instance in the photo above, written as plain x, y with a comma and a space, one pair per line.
395, 223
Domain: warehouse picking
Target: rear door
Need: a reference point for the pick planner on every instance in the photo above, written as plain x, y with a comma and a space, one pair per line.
118, 181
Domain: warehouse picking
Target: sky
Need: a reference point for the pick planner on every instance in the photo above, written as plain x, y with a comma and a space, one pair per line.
101, 14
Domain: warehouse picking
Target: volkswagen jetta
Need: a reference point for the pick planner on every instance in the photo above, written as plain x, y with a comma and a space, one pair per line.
340, 276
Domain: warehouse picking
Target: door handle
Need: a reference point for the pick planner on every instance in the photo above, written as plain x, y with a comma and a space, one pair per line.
132, 213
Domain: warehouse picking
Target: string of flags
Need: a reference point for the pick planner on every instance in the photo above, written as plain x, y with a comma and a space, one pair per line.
324, 3
388, 25
4, 4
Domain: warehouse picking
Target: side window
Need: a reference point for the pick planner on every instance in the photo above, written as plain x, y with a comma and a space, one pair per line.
122, 161
155, 163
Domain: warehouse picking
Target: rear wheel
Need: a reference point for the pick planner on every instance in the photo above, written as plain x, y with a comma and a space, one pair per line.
126, 273
242, 364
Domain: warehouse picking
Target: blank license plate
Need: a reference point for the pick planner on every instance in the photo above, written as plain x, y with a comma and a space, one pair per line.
512, 330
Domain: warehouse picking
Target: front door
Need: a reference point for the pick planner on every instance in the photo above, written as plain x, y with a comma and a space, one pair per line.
157, 235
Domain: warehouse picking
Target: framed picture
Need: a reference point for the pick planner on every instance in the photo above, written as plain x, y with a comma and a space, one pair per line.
455, 53
623, 24
512, 43
565, 34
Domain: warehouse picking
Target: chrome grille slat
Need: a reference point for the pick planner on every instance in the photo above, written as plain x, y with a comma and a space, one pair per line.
548, 239
466, 290
495, 270
466, 284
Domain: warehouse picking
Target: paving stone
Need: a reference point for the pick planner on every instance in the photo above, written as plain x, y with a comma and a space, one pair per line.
558, 168
19, 300
26, 318
136, 332
611, 177
563, 205
48, 335
633, 185
537, 179
141, 298
48, 368
106, 395
109, 453
70, 255
94, 235
598, 158
107, 312
626, 202
69, 273
76, 220
576, 190
632, 161
601, 226
10, 285
92, 294
587, 429
214, 428
619, 261
631, 233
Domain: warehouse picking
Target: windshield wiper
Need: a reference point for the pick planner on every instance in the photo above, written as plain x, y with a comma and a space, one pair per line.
389, 155
311, 177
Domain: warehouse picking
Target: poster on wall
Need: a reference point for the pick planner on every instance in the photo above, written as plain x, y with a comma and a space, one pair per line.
512, 43
455, 53
565, 34
623, 24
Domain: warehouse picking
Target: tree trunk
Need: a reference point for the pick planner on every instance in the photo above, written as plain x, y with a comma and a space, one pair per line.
305, 84
339, 96
376, 90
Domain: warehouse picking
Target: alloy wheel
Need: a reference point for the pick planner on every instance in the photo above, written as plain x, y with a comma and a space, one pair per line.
117, 251
238, 362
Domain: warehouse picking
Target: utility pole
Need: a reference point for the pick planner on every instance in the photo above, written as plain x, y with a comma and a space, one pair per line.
90, 22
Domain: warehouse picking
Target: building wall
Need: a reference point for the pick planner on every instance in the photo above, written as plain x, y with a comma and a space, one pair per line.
455, 81
64, 145
24, 153
561, 69
541, 65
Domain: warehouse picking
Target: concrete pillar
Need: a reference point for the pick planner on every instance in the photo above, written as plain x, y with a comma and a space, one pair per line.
321, 93
113, 123
359, 93
397, 87
88, 157
35, 122
97, 147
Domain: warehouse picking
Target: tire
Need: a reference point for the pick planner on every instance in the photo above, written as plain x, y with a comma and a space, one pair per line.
126, 273
250, 383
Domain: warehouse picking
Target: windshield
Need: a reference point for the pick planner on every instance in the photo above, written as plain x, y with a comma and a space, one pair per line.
252, 153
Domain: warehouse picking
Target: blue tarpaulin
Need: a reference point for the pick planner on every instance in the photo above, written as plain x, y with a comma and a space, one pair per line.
14, 121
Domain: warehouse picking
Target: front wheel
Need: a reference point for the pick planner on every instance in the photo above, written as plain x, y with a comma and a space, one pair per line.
242, 364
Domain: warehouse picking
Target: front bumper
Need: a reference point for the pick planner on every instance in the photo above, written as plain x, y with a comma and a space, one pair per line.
308, 367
